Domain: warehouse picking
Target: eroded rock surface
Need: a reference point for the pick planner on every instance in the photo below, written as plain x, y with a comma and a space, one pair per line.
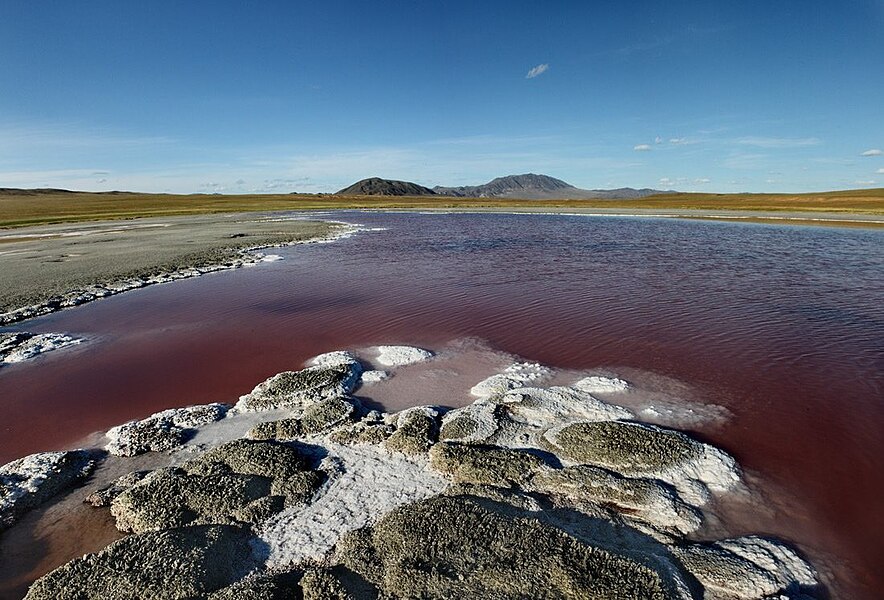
30, 481
299, 389
179, 563
163, 430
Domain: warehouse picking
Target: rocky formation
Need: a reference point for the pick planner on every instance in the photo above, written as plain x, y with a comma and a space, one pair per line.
375, 186
161, 431
19, 346
30, 481
527, 492
538, 187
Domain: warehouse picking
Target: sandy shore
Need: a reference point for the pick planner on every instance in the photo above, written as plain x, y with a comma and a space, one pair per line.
54, 266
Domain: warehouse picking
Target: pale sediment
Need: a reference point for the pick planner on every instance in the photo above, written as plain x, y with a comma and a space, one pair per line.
527, 492
19, 346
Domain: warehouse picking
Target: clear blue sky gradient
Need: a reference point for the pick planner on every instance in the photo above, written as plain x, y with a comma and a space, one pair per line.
282, 96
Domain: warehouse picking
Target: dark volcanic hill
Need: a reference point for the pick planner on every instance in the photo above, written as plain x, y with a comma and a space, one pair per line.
375, 186
537, 187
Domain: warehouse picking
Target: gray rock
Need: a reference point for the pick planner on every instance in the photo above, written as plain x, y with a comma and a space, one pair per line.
181, 563
300, 389
283, 586
647, 500
243, 481
316, 418
363, 432
30, 481
486, 465
105, 495
163, 430
451, 547
416, 430
321, 584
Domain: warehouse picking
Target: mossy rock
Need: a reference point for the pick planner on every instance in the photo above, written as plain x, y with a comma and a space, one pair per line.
416, 432
488, 465
243, 481
458, 428
631, 448
300, 389
362, 433
181, 563
316, 418
451, 547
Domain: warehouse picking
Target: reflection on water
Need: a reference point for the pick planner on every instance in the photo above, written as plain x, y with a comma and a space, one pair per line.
784, 327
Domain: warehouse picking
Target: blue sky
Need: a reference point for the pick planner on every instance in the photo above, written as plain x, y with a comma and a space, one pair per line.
282, 96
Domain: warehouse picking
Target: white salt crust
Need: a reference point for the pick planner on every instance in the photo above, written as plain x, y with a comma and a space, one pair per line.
597, 384
398, 356
516, 375
15, 351
366, 482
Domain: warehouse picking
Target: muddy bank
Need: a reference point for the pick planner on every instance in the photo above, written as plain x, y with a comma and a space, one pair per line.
52, 267
302, 489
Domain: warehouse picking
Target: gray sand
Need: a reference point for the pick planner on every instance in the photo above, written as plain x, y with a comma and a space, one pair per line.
39, 263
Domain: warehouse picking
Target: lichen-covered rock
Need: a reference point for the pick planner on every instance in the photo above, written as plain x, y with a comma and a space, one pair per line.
299, 389
514, 376
316, 418
476, 422
397, 356
487, 465
243, 481
647, 450
416, 430
163, 430
30, 481
181, 563
451, 547
321, 584
748, 568
647, 500
277, 586
512, 496
106, 495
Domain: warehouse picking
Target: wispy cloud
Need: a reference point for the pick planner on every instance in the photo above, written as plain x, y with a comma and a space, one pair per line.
880, 171
864, 182
536, 71
745, 161
872, 152
775, 142
658, 140
702, 180
641, 148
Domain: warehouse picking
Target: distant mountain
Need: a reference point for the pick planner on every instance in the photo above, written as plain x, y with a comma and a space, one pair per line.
538, 187
375, 186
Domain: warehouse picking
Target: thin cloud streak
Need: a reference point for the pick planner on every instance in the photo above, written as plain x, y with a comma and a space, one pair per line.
537, 71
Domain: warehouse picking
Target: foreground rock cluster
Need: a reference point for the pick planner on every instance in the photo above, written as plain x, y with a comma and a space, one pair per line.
528, 492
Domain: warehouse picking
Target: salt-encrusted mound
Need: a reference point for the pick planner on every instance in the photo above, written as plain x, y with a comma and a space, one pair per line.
457, 547
514, 376
30, 481
397, 356
20, 346
242, 481
747, 568
596, 384
161, 431
640, 449
179, 563
330, 377
374, 376
416, 430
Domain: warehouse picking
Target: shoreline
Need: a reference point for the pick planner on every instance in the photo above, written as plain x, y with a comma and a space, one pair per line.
68, 292
365, 467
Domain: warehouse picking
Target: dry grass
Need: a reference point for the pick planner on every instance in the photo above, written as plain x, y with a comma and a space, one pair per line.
23, 208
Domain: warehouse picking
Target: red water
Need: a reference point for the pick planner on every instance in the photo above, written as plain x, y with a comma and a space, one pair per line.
783, 326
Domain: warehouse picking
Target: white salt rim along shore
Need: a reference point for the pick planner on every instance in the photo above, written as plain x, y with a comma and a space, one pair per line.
34, 345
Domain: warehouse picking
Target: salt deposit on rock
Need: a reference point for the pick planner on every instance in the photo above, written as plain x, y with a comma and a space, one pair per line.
397, 356
562, 476
602, 385
161, 431
20, 346
28, 482
374, 376
516, 375
368, 482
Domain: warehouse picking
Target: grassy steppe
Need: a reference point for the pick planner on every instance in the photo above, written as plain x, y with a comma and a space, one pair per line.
37, 207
